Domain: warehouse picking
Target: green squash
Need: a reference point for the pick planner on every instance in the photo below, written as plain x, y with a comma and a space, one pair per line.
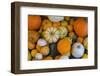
53, 50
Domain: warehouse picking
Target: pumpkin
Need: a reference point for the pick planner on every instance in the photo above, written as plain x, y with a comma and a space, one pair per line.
38, 47
31, 45
34, 52
67, 18
41, 42
71, 34
44, 50
33, 36
57, 57
48, 58
46, 24
78, 50
85, 43
56, 24
71, 22
63, 32
56, 18
38, 56
80, 39
70, 28
81, 27
34, 22
64, 23
51, 35
64, 46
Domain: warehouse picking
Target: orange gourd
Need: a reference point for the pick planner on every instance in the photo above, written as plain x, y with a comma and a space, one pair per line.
64, 46
81, 27
34, 22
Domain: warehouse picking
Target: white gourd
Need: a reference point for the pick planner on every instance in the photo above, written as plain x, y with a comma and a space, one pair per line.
77, 50
41, 42
56, 18
38, 56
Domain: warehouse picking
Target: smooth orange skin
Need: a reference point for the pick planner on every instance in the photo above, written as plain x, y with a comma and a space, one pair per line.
81, 27
64, 46
34, 22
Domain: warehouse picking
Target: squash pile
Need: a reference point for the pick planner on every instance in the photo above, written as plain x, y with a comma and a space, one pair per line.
57, 37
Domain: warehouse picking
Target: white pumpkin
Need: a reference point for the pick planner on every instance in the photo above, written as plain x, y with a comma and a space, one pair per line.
56, 18
38, 56
63, 32
77, 50
51, 34
41, 42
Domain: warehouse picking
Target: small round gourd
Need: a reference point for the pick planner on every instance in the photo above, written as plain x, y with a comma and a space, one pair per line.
41, 42
77, 50
38, 56
63, 32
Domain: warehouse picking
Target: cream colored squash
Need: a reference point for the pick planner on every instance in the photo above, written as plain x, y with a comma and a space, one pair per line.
51, 35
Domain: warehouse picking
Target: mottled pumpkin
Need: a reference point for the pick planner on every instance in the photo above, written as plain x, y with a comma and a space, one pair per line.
64, 46
34, 22
81, 27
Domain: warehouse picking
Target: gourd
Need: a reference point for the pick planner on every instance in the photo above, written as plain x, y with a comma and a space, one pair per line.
53, 50
64, 46
33, 36
31, 45
63, 32
44, 50
41, 42
51, 35
38, 56
56, 18
85, 56
56, 24
85, 43
29, 56
64, 23
81, 27
80, 39
64, 57
48, 58
34, 22
46, 24
34, 52
77, 50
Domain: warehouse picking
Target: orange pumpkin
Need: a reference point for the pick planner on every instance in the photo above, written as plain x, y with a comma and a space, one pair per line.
48, 58
34, 22
64, 46
81, 27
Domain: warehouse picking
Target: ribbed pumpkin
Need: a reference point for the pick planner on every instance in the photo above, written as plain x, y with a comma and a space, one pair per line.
81, 27
64, 46
34, 22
